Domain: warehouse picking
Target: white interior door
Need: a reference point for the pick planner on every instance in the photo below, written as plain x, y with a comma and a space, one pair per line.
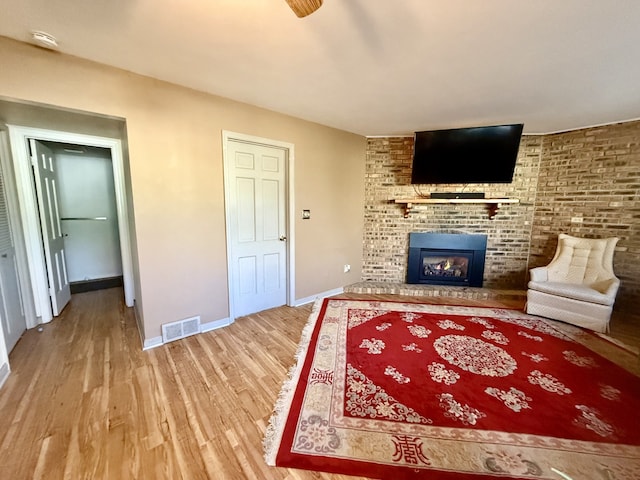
11, 307
52, 236
257, 224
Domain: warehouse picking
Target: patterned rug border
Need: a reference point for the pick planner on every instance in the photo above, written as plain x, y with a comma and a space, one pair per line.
275, 428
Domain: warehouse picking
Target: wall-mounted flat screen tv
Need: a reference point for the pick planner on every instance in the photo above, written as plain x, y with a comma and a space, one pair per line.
466, 155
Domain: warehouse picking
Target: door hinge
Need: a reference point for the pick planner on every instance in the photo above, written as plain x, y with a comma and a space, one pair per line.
32, 153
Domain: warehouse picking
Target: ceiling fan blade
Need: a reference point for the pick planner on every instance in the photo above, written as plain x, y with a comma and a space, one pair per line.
302, 8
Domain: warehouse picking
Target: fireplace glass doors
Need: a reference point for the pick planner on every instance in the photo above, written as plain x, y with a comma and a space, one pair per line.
443, 265
446, 259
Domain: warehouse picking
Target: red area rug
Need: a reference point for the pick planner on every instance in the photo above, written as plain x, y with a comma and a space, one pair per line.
403, 390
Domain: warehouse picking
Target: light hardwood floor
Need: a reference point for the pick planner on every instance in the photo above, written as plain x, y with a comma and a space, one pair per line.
84, 402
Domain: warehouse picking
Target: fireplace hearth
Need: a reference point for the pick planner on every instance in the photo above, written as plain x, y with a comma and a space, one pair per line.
446, 259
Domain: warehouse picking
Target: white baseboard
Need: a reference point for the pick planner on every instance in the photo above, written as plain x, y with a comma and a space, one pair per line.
154, 342
204, 327
207, 327
4, 373
313, 298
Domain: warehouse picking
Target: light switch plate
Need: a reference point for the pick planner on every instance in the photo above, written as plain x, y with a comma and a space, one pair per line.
306, 214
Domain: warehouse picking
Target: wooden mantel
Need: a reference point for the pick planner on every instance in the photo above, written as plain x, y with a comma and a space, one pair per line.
493, 204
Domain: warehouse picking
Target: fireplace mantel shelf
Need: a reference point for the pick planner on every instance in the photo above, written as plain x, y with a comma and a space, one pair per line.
493, 204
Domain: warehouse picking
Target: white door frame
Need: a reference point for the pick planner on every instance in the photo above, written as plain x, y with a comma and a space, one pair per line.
28, 206
228, 136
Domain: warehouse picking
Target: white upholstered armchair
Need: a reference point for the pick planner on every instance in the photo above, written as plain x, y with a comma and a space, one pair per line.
578, 286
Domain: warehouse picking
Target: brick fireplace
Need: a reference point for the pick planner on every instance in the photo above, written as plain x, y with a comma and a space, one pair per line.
386, 236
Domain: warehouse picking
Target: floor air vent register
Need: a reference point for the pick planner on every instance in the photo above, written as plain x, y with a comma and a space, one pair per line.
180, 329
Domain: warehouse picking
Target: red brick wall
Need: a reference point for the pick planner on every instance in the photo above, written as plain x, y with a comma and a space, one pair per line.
584, 183
589, 186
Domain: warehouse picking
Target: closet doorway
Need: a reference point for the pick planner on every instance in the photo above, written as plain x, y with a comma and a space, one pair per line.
88, 216
91, 213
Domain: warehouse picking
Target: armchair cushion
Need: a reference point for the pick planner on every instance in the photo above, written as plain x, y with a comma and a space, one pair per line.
585, 293
582, 260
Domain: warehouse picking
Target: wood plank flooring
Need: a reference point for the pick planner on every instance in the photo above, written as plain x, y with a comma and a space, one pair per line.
84, 402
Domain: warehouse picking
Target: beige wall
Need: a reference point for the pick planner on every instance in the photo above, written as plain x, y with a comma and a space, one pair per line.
175, 155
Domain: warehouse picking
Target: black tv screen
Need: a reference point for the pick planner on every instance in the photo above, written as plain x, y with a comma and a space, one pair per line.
466, 155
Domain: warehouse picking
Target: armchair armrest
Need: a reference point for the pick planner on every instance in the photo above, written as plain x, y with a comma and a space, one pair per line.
608, 287
539, 274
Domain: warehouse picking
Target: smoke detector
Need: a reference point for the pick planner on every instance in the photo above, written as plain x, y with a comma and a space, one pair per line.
43, 39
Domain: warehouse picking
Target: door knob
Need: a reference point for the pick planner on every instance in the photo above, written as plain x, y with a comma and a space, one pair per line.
283, 238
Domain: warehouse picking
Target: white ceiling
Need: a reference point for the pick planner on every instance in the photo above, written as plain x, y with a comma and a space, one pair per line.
372, 67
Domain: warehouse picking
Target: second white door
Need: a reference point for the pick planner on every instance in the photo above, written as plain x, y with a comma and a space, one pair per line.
257, 226
52, 236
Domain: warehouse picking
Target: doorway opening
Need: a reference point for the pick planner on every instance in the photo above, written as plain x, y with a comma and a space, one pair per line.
42, 267
88, 216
